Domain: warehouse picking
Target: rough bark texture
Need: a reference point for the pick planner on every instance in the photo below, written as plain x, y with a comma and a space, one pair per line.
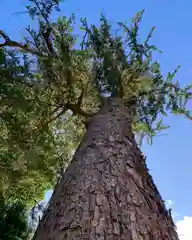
107, 192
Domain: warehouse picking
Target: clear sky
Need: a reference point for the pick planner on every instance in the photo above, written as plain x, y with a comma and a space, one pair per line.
170, 157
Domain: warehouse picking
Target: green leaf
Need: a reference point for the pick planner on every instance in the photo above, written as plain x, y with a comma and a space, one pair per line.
2, 56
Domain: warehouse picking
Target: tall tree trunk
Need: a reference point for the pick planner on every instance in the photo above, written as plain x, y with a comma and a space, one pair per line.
107, 191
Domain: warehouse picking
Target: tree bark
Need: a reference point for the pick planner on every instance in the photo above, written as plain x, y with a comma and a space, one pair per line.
107, 192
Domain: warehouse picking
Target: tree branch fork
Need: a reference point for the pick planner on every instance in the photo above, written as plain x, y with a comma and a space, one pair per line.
8, 42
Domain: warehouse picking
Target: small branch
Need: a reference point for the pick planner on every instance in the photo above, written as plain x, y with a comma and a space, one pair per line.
83, 41
11, 43
46, 123
171, 85
33, 37
41, 12
188, 116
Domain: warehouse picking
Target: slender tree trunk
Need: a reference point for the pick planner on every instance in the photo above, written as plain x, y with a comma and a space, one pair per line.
107, 192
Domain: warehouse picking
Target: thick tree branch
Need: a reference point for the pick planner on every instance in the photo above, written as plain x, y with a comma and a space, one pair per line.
75, 108
47, 39
11, 43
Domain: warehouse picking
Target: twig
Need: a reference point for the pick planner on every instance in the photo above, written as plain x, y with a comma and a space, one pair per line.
171, 85
40, 10
188, 116
33, 37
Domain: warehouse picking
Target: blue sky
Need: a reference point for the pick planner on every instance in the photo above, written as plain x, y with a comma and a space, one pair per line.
170, 157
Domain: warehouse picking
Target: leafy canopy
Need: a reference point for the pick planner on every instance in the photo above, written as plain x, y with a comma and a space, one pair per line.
54, 80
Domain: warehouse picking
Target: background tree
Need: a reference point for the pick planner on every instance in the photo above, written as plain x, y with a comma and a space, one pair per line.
69, 83
13, 221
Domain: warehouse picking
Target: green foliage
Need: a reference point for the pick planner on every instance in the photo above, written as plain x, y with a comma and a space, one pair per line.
31, 152
2, 56
123, 66
13, 221
42, 9
56, 81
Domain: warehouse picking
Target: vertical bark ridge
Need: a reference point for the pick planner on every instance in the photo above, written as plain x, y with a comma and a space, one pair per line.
107, 192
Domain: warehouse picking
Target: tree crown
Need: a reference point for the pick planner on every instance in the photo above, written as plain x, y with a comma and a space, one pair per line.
53, 80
